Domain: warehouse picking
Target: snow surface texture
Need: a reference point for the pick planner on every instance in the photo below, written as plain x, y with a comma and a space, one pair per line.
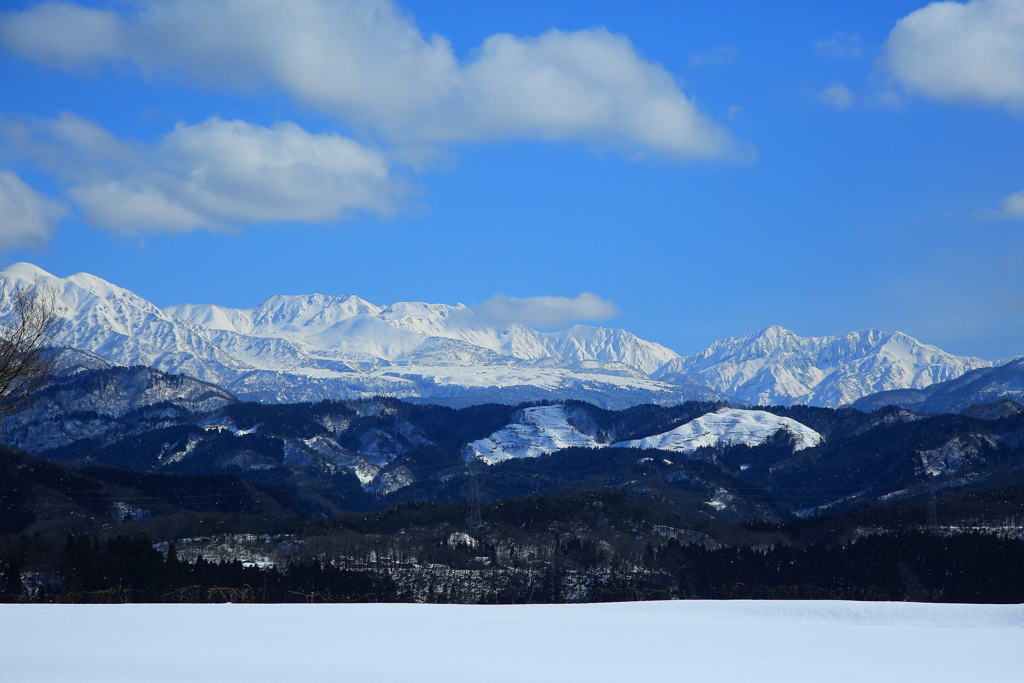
309, 347
536, 431
728, 427
726, 642
777, 367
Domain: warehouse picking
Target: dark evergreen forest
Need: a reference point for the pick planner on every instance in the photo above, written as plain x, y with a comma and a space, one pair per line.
884, 509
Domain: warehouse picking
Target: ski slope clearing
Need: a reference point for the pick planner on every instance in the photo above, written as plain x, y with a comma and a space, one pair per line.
539, 431
724, 642
728, 426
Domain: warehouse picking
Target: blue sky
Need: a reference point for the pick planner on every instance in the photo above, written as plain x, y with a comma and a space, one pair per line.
708, 168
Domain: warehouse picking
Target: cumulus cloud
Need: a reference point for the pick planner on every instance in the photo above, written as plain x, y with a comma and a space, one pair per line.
212, 174
1012, 208
971, 52
837, 96
544, 311
26, 217
367, 62
840, 45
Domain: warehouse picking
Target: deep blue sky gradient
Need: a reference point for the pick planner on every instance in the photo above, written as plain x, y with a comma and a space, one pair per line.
845, 220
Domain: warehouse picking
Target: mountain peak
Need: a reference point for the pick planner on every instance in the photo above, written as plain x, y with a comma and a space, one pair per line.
24, 272
776, 366
313, 346
775, 331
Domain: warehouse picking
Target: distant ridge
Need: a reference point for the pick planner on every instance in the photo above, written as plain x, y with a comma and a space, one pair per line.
976, 388
316, 346
777, 367
311, 347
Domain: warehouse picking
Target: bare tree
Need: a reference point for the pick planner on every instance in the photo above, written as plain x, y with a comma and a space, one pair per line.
26, 335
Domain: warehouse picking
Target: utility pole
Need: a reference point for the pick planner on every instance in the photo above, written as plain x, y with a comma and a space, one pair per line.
473, 519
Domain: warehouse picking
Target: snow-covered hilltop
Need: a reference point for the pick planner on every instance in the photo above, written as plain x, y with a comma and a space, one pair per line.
536, 431
728, 427
542, 430
309, 347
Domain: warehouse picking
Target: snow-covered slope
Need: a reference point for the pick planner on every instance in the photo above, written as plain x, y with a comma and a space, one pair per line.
976, 388
347, 326
536, 431
306, 348
775, 366
728, 427
124, 328
110, 403
545, 429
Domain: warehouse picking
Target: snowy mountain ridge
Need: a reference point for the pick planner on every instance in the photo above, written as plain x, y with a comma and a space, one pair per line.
316, 346
777, 367
302, 348
325, 324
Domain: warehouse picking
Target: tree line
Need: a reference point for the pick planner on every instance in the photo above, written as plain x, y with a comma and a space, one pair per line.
913, 565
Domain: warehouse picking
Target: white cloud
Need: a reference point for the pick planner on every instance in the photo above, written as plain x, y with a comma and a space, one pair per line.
544, 311
962, 52
840, 45
367, 62
723, 54
1012, 208
26, 217
61, 34
132, 207
837, 96
212, 174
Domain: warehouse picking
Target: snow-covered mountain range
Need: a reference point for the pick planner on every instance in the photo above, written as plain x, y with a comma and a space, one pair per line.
777, 367
310, 347
302, 348
976, 388
358, 453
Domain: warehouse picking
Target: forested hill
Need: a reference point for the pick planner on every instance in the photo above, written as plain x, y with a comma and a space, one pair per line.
101, 535
772, 463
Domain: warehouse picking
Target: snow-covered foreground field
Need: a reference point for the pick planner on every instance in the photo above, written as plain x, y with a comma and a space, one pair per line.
714, 642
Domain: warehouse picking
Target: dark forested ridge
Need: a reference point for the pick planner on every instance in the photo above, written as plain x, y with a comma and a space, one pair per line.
579, 547
376, 500
218, 538
358, 455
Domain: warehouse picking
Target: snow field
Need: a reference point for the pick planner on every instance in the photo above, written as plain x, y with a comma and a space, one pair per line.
725, 641
728, 426
545, 429
541, 430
